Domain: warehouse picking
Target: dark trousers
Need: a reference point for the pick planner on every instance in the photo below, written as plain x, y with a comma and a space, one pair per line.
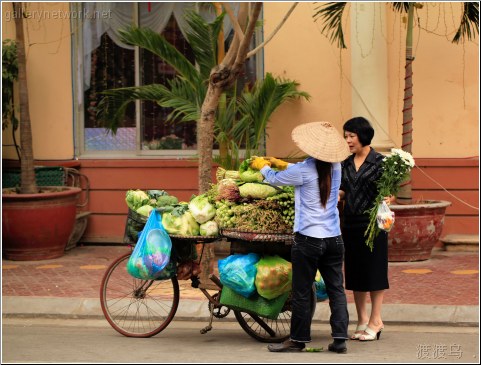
309, 254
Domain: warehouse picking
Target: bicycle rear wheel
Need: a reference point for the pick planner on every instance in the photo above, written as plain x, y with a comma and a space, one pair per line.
134, 307
270, 330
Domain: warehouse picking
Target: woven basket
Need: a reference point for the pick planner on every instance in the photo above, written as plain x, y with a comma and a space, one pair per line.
254, 305
257, 236
44, 176
134, 224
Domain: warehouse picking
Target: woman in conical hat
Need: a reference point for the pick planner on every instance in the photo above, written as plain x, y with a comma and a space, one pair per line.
317, 242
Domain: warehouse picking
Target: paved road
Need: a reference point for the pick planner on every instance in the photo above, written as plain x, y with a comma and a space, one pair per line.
93, 341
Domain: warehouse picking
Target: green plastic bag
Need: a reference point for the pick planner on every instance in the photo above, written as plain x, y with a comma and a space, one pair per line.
274, 277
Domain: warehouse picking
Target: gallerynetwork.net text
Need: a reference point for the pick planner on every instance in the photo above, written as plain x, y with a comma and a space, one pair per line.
40, 14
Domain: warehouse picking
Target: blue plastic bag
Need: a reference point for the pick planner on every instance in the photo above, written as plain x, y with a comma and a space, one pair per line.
152, 251
321, 293
238, 272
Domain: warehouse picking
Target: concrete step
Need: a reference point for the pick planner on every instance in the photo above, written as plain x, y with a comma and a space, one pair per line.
461, 242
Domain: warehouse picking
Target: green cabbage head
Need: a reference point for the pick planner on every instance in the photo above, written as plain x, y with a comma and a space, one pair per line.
184, 225
201, 209
209, 228
247, 174
257, 190
136, 198
145, 210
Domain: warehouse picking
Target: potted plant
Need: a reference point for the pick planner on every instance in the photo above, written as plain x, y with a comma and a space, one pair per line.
418, 225
36, 223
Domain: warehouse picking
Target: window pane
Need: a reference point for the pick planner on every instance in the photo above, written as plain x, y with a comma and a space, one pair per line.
111, 67
157, 132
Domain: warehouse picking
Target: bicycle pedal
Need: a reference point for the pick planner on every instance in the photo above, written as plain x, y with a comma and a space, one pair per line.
204, 330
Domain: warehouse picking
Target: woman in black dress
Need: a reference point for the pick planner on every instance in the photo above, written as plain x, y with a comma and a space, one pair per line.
366, 272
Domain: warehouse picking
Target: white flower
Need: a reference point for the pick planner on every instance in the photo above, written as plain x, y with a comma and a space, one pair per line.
406, 156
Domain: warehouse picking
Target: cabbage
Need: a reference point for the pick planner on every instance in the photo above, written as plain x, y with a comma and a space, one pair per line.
257, 190
144, 210
201, 209
209, 228
184, 225
247, 174
136, 198
251, 176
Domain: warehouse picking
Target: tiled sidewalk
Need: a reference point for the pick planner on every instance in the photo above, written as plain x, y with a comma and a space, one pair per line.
447, 278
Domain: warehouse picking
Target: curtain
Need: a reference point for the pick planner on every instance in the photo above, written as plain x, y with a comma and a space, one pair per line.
154, 15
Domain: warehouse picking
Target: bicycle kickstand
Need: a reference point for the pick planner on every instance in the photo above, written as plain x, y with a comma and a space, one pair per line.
213, 301
207, 328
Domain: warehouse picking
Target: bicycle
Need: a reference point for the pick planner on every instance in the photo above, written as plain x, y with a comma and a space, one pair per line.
144, 308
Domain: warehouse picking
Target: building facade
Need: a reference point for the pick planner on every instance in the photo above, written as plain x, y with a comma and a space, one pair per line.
74, 52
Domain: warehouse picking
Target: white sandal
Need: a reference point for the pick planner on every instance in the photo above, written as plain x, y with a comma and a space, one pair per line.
370, 335
359, 328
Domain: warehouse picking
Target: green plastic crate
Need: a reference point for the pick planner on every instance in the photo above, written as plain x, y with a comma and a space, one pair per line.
255, 304
45, 176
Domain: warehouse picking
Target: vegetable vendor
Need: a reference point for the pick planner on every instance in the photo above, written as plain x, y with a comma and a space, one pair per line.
317, 243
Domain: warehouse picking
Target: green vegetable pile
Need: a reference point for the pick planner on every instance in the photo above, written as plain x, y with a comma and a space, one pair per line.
143, 202
252, 206
185, 219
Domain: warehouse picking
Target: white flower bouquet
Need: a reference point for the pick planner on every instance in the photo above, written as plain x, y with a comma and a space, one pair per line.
396, 168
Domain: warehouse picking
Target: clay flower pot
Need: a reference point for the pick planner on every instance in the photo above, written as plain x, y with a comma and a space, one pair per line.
38, 226
416, 230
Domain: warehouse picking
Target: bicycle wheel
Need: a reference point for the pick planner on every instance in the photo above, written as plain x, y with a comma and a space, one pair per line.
270, 330
134, 307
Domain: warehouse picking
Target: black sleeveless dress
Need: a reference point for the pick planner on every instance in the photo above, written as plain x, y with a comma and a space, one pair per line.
364, 270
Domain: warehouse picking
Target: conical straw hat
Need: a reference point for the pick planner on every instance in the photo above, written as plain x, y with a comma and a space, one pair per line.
321, 141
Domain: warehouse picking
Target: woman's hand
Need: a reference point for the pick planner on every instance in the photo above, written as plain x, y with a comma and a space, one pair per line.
275, 162
389, 199
259, 162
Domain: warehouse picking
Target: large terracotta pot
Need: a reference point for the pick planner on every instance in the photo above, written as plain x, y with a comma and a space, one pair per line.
417, 228
38, 226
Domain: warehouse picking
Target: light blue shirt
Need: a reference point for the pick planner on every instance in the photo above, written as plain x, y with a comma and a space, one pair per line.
311, 219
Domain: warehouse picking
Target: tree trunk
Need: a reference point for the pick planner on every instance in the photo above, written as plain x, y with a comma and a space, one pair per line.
222, 77
405, 193
205, 135
28, 183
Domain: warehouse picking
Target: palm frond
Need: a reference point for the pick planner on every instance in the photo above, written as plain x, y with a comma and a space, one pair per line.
469, 26
258, 106
233, 160
112, 107
202, 37
146, 38
400, 7
331, 13
185, 100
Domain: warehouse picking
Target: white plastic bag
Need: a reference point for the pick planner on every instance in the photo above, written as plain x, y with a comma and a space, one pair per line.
384, 217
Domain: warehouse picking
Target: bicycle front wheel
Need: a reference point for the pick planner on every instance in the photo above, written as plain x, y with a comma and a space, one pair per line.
134, 307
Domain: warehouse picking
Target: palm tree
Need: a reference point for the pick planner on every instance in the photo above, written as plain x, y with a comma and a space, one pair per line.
28, 183
239, 120
332, 12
